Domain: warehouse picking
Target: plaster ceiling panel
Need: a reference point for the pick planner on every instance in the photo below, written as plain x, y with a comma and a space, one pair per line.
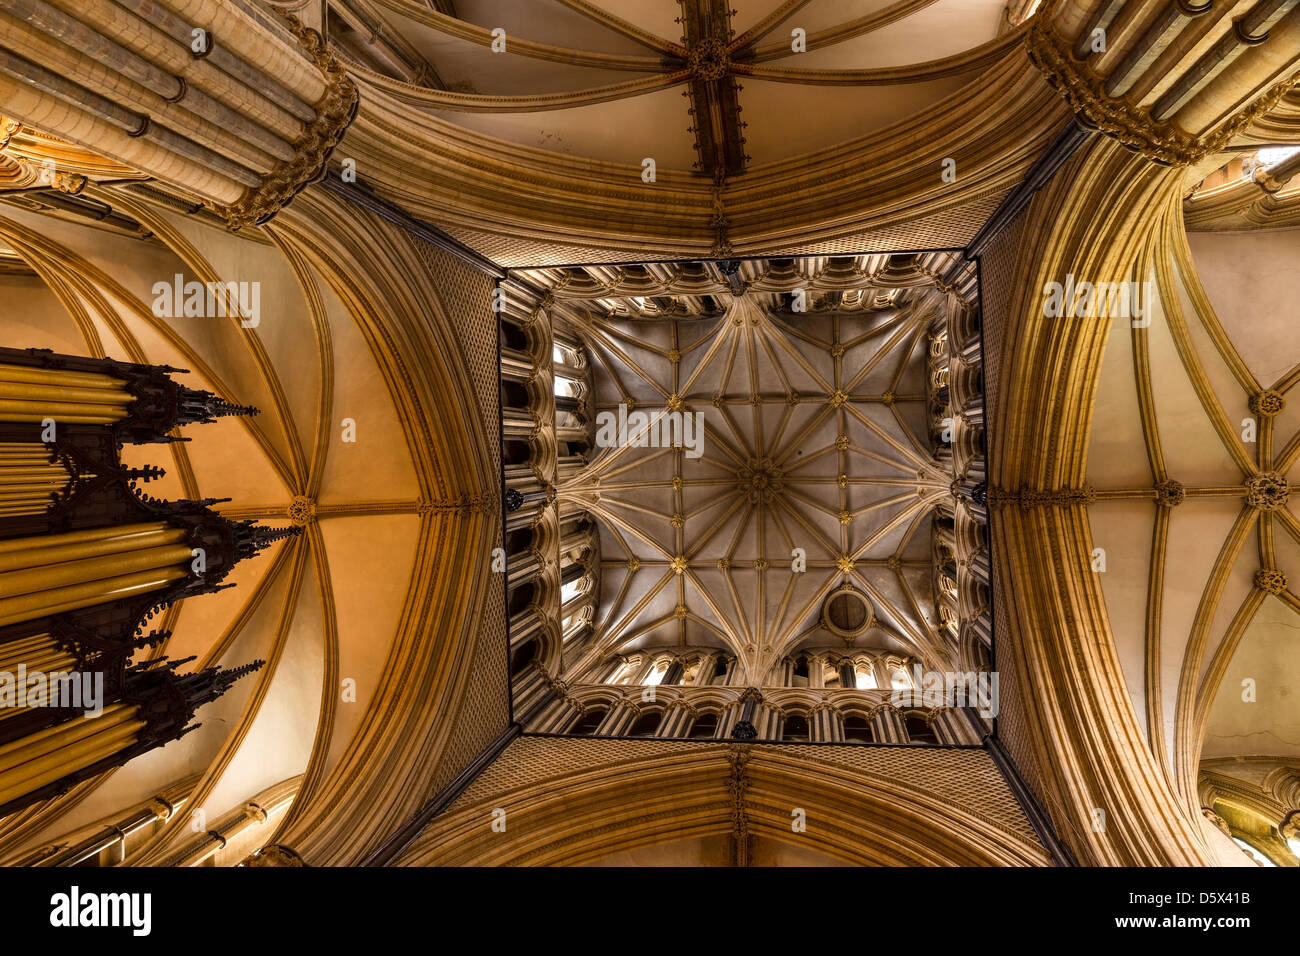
39, 319
549, 21
709, 596
812, 16
873, 429
652, 125
1261, 324
1123, 530
279, 742
914, 417
1236, 589
370, 570
1116, 451
657, 16
773, 356
599, 132
1191, 526
1266, 657
891, 606
715, 530
1231, 395
863, 366
653, 624
1193, 453
807, 364
941, 29
468, 67
380, 447
284, 325
782, 126
638, 351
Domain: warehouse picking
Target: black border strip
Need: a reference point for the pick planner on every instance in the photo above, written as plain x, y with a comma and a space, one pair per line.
396, 844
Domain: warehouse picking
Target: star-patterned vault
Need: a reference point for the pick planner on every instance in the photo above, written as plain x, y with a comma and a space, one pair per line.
817, 471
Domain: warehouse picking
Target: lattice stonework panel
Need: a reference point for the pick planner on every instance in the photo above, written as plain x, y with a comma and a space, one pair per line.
952, 229
513, 252
531, 761
997, 267
466, 294
965, 778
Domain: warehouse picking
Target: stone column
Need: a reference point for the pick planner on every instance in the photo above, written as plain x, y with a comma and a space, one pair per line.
887, 725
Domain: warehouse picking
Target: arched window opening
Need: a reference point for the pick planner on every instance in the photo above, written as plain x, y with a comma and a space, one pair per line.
516, 452
571, 590
720, 671
522, 657
521, 597
705, 726
656, 673
567, 387
858, 729
919, 731
799, 675
518, 540
624, 672
646, 724
513, 337
864, 675
1259, 858
899, 679
795, 727
589, 721
514, 395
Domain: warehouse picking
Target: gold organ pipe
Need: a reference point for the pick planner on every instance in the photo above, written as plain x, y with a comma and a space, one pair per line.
51, 576
59, 377
30, 392
15, 410
67, 759
16, 752
49, 550
59, 600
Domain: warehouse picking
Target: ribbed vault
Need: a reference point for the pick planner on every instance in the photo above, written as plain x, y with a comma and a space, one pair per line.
352, 445
815, 468
564, 802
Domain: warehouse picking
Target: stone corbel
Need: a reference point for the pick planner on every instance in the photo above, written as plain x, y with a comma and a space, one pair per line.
1163, 143
334, 113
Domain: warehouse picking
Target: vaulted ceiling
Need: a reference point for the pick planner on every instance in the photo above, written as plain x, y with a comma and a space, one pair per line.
709, 85
338, 448
1195, 416
815, 437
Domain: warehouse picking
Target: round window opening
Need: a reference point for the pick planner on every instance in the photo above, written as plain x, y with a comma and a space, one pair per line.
847, 613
